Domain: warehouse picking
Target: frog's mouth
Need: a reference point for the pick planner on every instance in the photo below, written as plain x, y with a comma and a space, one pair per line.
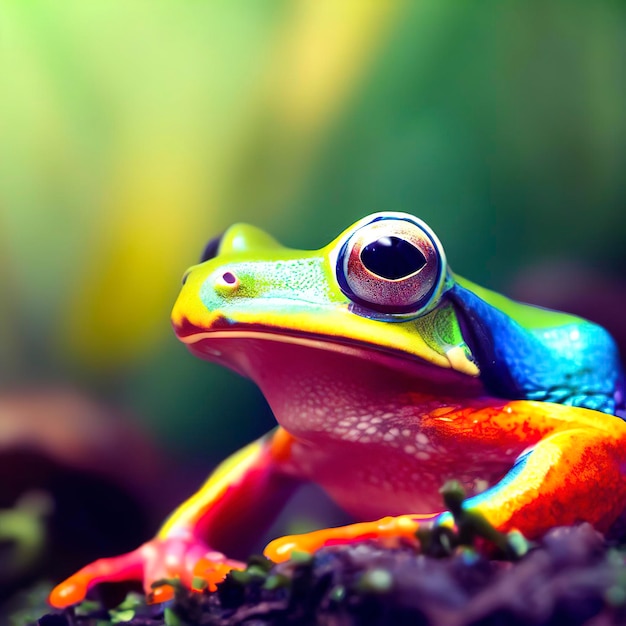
256, 351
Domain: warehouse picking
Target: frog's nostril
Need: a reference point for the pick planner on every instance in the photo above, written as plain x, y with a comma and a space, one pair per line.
227, 282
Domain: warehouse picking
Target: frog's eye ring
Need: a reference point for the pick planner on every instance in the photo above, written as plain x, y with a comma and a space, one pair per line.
393, 264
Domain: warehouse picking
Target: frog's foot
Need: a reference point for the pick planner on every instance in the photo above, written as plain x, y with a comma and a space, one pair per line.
402, 527
158, 559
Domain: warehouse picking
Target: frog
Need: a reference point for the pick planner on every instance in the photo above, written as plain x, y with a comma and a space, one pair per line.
388, 375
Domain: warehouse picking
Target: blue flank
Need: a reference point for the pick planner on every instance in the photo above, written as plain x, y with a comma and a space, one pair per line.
574, 364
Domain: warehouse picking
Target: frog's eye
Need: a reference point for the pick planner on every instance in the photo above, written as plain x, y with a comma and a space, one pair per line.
392, 264
210, 252
211, 249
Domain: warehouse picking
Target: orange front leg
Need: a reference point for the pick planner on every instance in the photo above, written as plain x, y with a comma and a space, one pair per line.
387, 528
571, 476
247, 486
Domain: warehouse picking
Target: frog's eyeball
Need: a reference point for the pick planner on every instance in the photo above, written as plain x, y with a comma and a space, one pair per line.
211, 249
392, 264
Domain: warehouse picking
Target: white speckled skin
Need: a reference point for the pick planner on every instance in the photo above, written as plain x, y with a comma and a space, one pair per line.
358, 414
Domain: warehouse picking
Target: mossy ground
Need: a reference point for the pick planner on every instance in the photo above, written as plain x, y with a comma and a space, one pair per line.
572, 576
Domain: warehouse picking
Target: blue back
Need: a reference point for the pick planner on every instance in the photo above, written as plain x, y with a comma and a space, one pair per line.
576, 364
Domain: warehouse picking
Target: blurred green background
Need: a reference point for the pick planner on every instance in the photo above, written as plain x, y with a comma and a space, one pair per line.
132, 132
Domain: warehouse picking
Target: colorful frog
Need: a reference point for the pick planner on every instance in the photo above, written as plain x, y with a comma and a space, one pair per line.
388, 375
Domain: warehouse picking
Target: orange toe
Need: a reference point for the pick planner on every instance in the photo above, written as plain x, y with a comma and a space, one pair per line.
162, 593
70, 591
212, 572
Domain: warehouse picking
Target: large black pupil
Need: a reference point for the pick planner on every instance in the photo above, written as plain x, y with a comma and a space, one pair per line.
392, 258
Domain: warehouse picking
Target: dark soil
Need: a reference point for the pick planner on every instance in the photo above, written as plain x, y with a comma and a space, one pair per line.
571, 577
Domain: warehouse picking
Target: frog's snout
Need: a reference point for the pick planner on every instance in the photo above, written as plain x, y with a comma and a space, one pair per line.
226, 282
191, 314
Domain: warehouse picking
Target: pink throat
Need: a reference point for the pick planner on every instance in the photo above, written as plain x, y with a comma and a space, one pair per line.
320, 387
364, 417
